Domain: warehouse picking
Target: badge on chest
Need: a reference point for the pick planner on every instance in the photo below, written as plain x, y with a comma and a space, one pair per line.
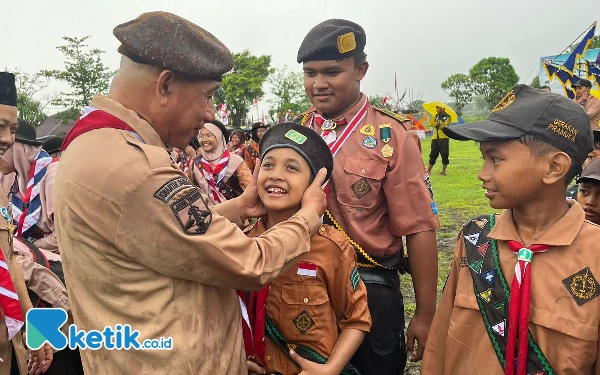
582, 285
307, 269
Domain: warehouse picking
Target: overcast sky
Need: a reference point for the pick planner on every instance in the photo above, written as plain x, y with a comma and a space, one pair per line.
424, 41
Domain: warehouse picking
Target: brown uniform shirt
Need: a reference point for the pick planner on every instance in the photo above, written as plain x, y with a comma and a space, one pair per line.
378, 199
566, 333
592, 108
127, 258
330, 299
249, 157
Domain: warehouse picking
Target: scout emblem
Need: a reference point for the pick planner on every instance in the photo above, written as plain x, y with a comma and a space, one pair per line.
582, 285
307, 269
354, 278
385, 132
489, 276
303, 322
296, 137
500, 328
387, 151
486, 295
368, 130
505, 102
483, 248
5, 213
361, 188
472, 238
346, 42
370, 143
328, 125
477, 266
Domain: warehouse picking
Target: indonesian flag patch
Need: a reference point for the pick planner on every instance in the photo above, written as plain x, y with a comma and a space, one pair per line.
307, 269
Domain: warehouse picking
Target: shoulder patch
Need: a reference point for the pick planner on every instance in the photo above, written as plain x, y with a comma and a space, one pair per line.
172, 187
192, 213
391, 114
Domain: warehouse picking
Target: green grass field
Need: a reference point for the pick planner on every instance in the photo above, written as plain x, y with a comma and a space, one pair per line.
459, 197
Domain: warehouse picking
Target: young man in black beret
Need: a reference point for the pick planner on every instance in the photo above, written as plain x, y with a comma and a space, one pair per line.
319, 308
378, 193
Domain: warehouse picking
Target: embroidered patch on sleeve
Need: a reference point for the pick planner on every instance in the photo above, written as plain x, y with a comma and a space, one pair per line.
172, 187
303, 322
361, 188
354, 278
192, 213
583, 286
463, 262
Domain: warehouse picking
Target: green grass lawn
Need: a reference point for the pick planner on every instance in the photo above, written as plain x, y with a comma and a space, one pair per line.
459, 197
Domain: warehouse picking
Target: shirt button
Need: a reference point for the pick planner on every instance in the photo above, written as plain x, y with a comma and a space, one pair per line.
363, 171
268, 358
322, 230
269, 287
306, 300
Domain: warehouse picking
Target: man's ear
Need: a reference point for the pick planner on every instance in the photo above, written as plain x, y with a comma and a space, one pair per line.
362, 70
559, 164
164, 86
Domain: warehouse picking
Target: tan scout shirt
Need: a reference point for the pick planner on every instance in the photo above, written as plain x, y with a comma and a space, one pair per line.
127, 259
566, 333
592, 108
329, 299
394, 202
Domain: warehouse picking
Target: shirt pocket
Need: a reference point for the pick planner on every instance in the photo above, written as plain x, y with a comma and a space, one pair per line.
306, 312
461, 336
360, 182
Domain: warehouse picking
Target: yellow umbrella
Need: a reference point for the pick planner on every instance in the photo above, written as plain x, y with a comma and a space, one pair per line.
430, 108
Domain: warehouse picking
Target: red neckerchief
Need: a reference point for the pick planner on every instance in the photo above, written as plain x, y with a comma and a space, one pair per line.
92, 119
519, 306
219, 170
9, 300
254, 314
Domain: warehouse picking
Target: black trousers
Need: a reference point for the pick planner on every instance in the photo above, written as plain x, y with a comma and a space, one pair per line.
440, 146
383, 351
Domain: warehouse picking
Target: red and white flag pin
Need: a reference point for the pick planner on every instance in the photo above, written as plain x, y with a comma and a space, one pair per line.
307, 269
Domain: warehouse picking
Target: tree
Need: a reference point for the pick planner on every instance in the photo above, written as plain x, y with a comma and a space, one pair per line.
493, 77
31, 109
84, 72
288, 89
536, 82
243, 84
459, 88
595, 44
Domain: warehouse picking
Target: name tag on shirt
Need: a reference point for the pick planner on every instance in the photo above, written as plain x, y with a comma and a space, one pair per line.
307, 269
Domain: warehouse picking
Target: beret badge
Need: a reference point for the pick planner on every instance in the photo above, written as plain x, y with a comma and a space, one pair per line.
346, 42
295, 137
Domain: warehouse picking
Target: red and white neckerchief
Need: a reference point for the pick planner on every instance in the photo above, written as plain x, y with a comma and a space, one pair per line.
337, 144
219, 170
519, 306
329, 135
9, 300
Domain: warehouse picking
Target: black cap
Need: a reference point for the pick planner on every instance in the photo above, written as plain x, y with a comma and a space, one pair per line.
303, 140
550, 117
26, 133
8, 90
596, 136
583, 82
254, 131
53, 144
333, 39
591, 172
170, 42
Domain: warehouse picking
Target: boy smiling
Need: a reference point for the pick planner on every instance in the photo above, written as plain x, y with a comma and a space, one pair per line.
314, 316
523, 284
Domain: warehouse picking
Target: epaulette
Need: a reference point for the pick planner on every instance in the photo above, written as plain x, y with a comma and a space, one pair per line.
391, 114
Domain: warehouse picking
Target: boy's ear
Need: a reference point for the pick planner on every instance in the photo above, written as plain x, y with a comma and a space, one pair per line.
559, 164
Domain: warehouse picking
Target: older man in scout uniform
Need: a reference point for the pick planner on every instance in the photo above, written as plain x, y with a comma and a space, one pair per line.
14, 299
378, 193
139, 244
590, 104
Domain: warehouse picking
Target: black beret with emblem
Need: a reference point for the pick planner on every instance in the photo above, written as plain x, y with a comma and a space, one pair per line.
8, 90
333, 39
173, 43
550, 117
301, 139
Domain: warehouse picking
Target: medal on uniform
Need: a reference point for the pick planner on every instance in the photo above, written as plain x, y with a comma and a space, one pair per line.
5, 213
385, 133
368, 130
369, 142
387, 151
328, 125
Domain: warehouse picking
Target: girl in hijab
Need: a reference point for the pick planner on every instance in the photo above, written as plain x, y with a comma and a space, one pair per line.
222, 175
237, 144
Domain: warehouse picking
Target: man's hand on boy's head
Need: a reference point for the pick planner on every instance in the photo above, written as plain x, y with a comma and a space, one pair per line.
249, 203
314, 196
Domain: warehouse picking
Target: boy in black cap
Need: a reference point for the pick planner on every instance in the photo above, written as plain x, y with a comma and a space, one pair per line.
315, 315
523, 283
595, 154
588, 195
378, 193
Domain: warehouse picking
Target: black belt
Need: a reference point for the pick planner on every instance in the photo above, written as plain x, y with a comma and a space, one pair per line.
380, 276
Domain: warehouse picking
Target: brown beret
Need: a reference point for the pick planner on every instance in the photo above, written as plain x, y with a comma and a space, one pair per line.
170, 42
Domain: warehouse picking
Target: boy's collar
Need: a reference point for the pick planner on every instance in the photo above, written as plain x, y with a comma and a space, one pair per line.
562, 233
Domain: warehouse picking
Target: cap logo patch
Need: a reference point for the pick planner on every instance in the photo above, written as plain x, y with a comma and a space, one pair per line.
295, 137
563, 129
505, 102
346, 42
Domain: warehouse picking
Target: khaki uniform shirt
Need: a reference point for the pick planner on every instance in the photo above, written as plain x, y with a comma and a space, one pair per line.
566, 333
249, 157
330, 300
130, 230
592, 108
378, 199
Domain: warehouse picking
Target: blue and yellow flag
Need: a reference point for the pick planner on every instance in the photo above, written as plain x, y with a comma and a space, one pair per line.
569, 64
